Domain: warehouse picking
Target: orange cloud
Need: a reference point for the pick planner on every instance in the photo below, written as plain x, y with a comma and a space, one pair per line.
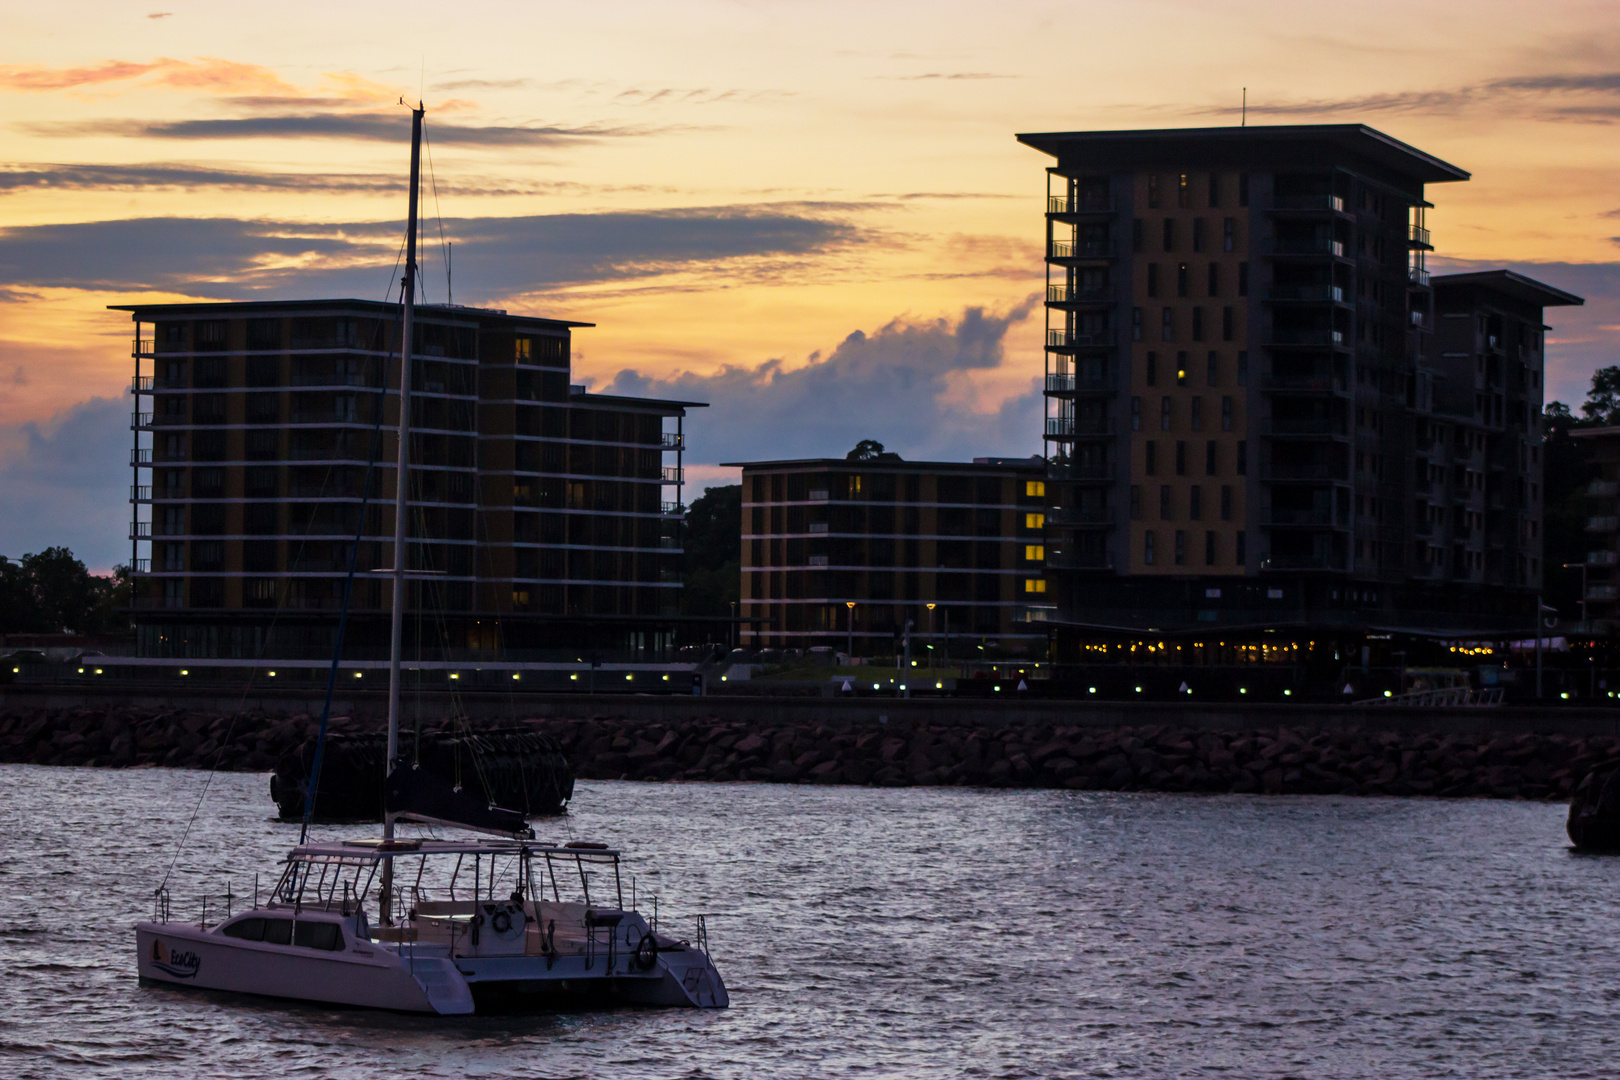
205, 73
33, 77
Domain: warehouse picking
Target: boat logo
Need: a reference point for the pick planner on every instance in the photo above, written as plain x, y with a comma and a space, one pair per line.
182, 965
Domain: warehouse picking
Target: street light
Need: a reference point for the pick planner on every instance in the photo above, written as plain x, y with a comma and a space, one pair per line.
931, 622
849, 647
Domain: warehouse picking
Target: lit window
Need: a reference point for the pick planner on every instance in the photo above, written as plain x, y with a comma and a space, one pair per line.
522, 349
1034, 552
1034, 585
1034, 521
1035, 488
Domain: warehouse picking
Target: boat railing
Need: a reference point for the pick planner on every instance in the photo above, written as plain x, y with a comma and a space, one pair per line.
160, 904
702, 939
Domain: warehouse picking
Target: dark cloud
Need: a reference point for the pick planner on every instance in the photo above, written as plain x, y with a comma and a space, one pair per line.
890, 385
72, 474
141, 177
392, 127
494, 257
482, 84
1584, 98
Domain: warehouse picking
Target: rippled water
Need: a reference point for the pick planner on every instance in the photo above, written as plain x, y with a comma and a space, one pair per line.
913, 932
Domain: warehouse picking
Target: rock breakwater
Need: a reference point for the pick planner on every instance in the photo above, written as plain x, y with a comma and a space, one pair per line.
1280, 760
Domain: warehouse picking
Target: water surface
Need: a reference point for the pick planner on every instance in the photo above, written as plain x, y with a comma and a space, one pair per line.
884, 932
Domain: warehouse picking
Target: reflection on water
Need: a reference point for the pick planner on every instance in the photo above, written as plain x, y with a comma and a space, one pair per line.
913, 932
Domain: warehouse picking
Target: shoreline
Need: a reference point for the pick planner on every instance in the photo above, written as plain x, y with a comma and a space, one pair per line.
1280, 759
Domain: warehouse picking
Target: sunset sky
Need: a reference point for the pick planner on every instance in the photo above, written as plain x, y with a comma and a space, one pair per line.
814, 215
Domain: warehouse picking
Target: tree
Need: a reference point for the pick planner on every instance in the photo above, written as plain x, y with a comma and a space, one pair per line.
1602, 407
865, 450
711, 575
51, 592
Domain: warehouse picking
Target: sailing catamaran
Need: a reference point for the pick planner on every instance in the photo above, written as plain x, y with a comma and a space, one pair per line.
462, 924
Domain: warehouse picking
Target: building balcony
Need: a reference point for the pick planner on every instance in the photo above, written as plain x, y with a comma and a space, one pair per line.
1081, 249
139, 493
139, 421
1287, 472
1296, 564
140, 384
1068, 517
1327, 248
1072, 384
1606, 524
1306, 384
140, 530
1063, 341
1306, 429
672, 509
141, 348
1063, 295
141, 456
1418, 276
1332, 294
1603, 592
1418, 237
1082, 470
673, 475
1060, 428
1313, 518
1063, 560
1326, 203
1063, 205
1320, 339
671, 440
1603, 489
1603, 558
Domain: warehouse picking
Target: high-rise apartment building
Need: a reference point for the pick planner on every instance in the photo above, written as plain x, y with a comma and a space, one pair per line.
1251, 416
542, 516
841, 554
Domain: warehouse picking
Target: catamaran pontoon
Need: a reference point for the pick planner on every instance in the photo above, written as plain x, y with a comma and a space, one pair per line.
446, 943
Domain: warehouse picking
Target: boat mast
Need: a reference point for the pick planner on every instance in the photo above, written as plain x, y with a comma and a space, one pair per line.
401, 476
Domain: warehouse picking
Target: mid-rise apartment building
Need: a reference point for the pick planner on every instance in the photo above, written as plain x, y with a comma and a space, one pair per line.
1600, 570
1256, 408
841, 553
542, 516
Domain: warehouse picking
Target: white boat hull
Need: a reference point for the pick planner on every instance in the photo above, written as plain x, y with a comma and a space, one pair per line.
178, 954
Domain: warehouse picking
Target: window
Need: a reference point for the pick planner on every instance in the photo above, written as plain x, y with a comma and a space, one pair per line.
1243, 367
1226, 500
1181, 457
1153, 191
1209, 457
1183, 191
1241, 553
1034, 552
523, 347
1209, 547
1214, 191
1152, 373
1034, 489
1181, 368
1153, 279
1181, 547
1243, 189
1164, 413
1168, 325
1198, 324
1228, 322
1214, 279
1243, 457
1164, 502
1181, 280
1211, 367
1136, 414
1150, 458
1136, 324
1034, 585
1198, 234
1136, 502
1034, 521
1197, 413
1229, 235
1147, 547
1169, 234
1243, 279
1226, 412
1136, 235
1195, 503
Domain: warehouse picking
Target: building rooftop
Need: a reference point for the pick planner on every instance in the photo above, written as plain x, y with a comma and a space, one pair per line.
208, 308
1175, 146
893, 462
1523, 289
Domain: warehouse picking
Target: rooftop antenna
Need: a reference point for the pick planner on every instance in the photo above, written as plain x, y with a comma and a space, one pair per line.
1245, 107
449, 274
